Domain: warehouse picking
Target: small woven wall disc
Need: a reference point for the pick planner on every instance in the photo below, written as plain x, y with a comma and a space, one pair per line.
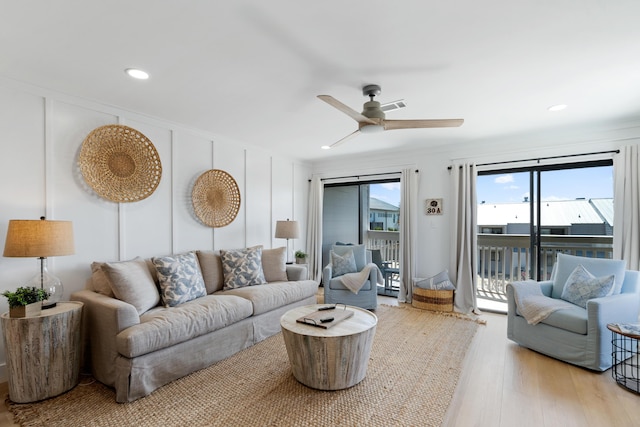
216, 198
120, 163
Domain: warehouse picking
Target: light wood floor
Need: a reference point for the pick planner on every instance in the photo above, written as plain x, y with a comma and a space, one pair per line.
505, 385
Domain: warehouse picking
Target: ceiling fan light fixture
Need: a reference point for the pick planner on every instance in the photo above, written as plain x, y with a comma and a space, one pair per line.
367, 128
557, 107
137, 73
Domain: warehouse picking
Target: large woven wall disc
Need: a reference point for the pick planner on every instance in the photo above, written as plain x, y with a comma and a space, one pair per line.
120, 163
216, 198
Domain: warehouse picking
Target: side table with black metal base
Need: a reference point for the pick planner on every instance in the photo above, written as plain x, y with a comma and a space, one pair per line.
624, 354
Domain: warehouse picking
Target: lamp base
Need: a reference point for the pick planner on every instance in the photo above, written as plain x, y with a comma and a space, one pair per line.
49, 283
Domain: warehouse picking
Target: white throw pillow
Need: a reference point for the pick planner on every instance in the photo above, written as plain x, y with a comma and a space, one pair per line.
342, 264
274, 264
440, 282
582, 286
131, 282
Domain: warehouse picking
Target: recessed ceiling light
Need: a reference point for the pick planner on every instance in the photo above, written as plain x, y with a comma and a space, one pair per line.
558, 107
326, 147
137, 74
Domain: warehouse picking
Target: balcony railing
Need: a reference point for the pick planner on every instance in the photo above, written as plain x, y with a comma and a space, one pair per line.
504, 258
389, 244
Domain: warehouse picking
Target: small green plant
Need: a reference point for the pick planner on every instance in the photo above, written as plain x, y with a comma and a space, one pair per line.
300, 254
25, 296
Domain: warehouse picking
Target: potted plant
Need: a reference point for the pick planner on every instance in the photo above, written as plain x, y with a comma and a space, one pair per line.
26, 301
301, 257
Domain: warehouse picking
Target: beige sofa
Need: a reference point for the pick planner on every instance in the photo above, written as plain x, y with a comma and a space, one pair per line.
136, 343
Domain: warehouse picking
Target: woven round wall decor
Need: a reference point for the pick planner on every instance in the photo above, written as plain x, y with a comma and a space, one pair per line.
120, 163
216, 198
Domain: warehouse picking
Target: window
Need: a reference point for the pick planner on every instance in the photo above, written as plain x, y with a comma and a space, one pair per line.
542, 211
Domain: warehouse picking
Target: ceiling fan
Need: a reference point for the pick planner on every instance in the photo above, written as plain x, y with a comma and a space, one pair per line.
372, 119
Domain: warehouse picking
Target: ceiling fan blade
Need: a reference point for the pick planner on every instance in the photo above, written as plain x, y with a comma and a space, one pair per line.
415, 124
346, 138
345, 109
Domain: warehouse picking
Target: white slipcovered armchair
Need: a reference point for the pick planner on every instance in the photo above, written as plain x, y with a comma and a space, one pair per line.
574, 334
336, 292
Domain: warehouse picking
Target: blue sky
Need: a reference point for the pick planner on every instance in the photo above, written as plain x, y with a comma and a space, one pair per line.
566, 184
388, 192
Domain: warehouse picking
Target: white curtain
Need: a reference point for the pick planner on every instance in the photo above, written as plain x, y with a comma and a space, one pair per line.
464, 240
626, 222
314, 229
408, 232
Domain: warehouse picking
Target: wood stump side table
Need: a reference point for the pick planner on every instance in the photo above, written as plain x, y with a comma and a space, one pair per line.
329, 359
43, 352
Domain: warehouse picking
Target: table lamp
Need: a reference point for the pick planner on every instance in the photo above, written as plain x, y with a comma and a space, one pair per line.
41, 238
287, 230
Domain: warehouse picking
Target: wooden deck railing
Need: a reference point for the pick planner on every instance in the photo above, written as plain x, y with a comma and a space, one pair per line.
504, 258
389, 244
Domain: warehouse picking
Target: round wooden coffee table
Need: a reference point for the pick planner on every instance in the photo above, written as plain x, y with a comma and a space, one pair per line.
333, 358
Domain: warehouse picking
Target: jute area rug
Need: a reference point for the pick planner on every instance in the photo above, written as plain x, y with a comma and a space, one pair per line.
413, 369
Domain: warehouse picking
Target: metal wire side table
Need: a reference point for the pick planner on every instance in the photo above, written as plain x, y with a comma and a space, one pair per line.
624, 353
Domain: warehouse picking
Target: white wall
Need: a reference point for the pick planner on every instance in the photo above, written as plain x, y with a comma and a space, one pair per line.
434, 230
41, 134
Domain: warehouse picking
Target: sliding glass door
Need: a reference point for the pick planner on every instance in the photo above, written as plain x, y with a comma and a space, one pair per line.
364, 213
527, 215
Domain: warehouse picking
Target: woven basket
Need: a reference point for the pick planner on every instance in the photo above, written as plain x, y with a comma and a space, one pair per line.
432, 299
120, 163
216, 198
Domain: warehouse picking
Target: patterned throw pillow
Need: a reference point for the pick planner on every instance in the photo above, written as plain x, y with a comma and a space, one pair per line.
342, 264
180, 278
440, 281
242, 267
582, 286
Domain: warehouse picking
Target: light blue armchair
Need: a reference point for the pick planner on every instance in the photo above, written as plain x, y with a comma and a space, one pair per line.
335, 292
578, 335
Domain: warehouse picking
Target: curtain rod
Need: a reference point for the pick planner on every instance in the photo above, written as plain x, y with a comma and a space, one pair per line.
363, 175
545, 158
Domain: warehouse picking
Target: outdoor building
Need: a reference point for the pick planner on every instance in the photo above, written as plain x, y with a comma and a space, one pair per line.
383, 216
565, 217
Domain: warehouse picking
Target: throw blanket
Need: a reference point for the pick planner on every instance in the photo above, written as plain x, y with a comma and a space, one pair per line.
533, 304
355, 281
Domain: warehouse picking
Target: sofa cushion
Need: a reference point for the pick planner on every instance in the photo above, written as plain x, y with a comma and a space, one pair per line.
163, 327
179, 278
274, 295
274, 264
582, 286
572, 319
359, 253
596, 266
342, 263
336, 284
242, 267
211, 268
131, 281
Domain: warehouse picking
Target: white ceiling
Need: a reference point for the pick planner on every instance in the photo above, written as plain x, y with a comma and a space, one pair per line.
250, 70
